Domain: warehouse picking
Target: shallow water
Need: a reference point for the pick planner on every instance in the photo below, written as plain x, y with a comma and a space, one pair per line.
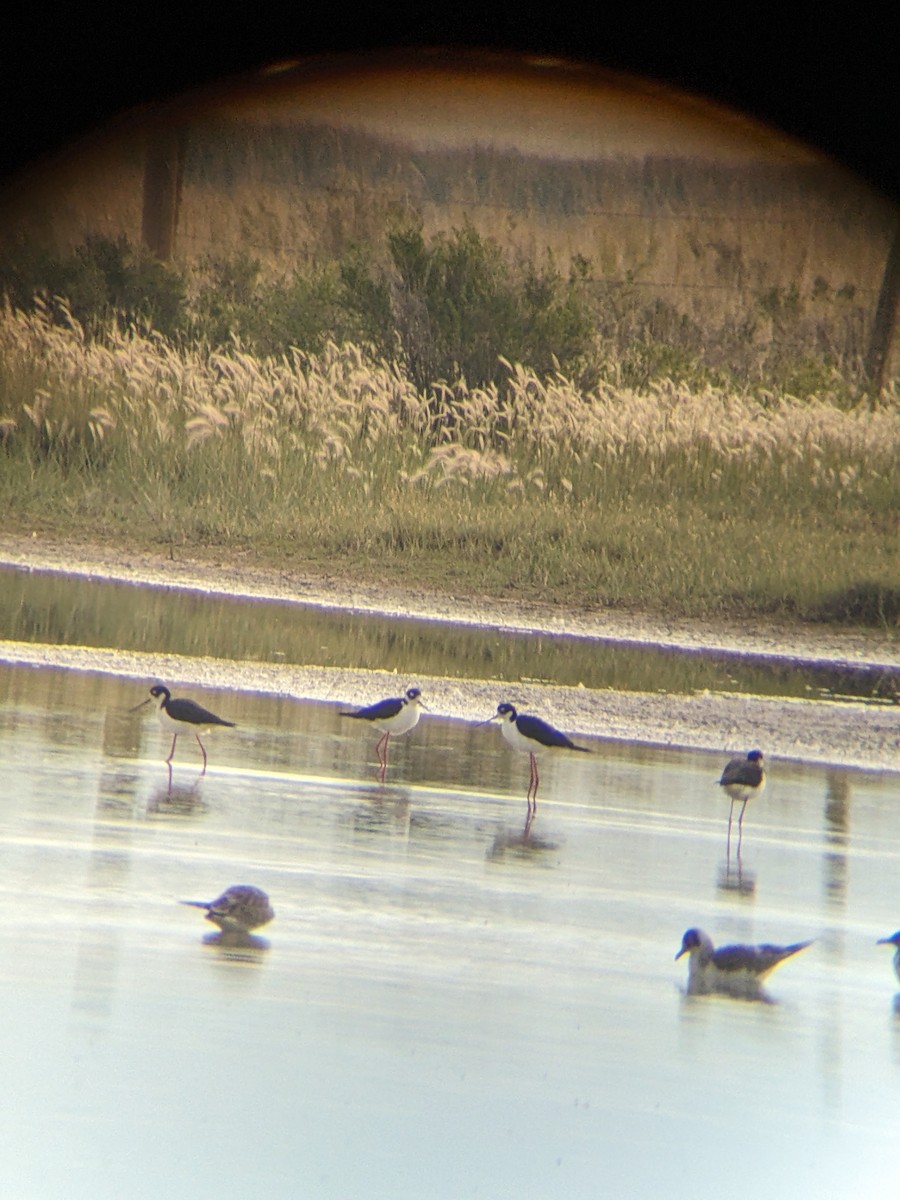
39, 606
444, 1009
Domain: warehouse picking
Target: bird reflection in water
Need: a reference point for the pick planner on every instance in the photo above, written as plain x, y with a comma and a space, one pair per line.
735, 878
177, 800
523, 843
238, 945
837, 836
386, 809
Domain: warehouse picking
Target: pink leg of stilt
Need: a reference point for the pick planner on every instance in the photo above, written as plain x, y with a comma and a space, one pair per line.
741, 830
382, 751
172, 751
533, 786
202, 751
728, 844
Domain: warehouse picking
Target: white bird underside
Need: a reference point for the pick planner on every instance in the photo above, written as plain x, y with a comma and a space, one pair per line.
405, 720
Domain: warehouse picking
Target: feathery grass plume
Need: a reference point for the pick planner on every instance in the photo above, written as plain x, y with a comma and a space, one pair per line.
206, 443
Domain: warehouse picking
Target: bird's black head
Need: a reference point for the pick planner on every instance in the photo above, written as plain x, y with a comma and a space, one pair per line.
158, 690
690, 941
413, 693
506, 710
755, 756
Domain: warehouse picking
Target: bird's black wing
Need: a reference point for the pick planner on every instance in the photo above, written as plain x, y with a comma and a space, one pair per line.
544, 734
193, 714
742, 770
381, 711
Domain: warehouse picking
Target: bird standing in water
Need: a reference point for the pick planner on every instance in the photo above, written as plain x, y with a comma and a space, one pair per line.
533, 735
742, 779
737, 971
239, 908
397, 715
182, 716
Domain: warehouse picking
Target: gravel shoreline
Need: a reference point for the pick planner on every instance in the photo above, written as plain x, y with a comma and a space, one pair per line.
846, 733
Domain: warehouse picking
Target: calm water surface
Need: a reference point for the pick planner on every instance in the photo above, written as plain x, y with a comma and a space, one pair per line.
40, 606
443, 1010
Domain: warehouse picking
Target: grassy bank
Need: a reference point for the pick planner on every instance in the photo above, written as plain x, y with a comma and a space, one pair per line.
668, 499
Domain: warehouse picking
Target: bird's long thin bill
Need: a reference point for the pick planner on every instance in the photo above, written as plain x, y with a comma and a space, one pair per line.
141, 705
679, 954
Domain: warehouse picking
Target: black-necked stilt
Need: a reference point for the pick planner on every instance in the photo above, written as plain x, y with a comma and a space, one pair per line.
736, 971
893, 940
531, 734
394, 716
742, 779
241, 907
182, 716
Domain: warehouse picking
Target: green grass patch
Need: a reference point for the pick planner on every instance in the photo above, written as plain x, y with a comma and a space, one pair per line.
666, 499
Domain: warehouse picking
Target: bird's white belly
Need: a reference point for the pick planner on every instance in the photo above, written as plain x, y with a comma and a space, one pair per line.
402, 723
743, 791
518, 741
706, 978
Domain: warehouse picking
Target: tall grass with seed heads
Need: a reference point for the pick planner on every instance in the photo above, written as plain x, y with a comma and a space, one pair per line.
666, 498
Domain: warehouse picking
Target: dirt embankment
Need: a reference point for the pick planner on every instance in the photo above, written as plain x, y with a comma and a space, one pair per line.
850, 733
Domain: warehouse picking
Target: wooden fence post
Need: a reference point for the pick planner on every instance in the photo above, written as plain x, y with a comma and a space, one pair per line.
163, 169
885, 319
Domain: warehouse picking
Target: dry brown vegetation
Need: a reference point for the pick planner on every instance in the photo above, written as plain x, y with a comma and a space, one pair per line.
666, 498
706, 237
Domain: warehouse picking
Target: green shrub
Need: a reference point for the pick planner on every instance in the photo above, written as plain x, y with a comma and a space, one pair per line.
100, 280
451, 308
459, 305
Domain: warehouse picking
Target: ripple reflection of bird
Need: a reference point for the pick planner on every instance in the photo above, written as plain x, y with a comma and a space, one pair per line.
386, 810
237, 945
736, 879
521, 843
177, 800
